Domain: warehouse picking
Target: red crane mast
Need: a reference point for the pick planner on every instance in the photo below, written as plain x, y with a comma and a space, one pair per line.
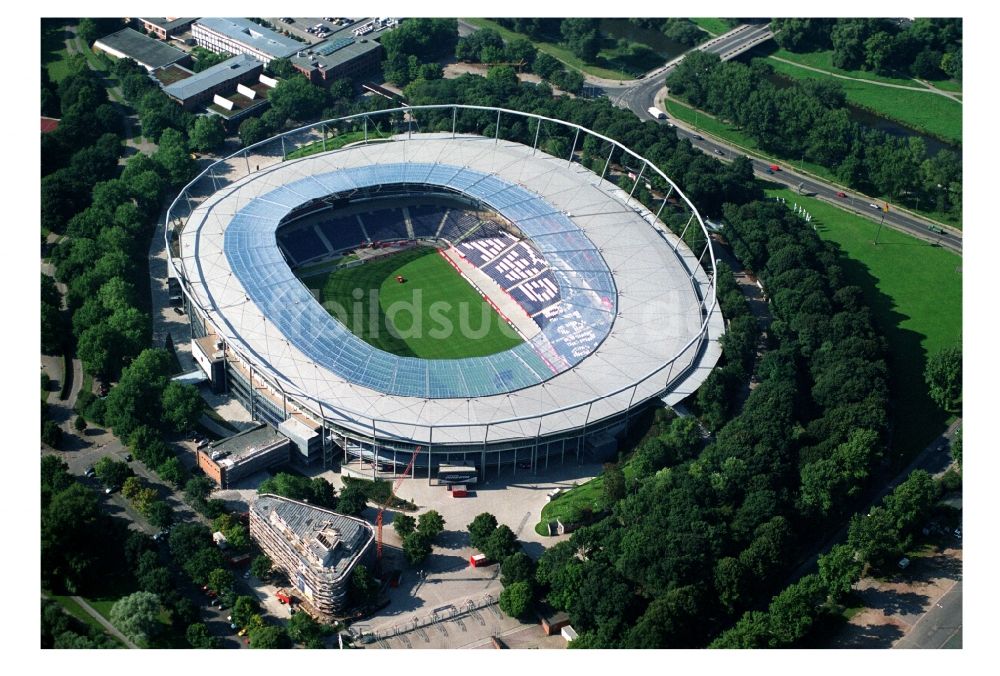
381, 509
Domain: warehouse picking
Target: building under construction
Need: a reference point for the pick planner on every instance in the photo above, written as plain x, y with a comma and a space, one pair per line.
317, 548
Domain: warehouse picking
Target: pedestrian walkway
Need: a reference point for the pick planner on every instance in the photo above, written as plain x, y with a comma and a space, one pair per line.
104, 623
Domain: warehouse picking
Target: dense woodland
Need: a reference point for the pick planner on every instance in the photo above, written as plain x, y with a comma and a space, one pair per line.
926, 48
809, 119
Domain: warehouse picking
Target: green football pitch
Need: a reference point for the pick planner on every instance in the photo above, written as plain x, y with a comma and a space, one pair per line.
434, 314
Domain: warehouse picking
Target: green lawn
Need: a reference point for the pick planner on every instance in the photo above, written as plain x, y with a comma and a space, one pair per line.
332, 143
77, 611
734, 135
915, 292
423, 317
927, 112
713, 27
54, 54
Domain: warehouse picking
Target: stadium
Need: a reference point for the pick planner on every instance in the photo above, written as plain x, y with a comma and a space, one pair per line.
443, 284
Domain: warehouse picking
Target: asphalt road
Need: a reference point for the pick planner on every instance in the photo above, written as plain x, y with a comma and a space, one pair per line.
940, 627
852, 201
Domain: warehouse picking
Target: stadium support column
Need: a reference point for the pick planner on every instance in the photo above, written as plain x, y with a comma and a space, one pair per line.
583, 439
496, 139
283, 153
430, 454
211, 174
454, 119
246, 156
608, 163
683, 232
325, 131
572, 150
534, 450
534, 146
366, 128
374, 447
562, 460
483, 460
628, 410
637, 179
700, 258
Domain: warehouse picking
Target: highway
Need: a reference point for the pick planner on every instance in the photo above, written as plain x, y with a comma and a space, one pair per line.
639, 95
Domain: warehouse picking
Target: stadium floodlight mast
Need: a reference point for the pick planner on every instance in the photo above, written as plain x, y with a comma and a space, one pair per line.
702, 277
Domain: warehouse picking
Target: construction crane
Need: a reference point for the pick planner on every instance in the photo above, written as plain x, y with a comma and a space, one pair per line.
381, 508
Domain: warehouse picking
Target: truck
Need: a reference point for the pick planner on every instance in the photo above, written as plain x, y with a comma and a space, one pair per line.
656, 113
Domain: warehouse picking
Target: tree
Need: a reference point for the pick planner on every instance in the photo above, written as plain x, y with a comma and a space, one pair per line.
53, 329
79, 424
352, 499
518, 567
261, 567
252, 131
364, 587
182, 406
956, 447
207, 134
416, 547
221, 580
137, 615
545, 65
280, 68
244, 608
87, 30
160, 514
582, 37
131, 487
516, 599
303, 629
112, 473
172, 471
297, 99
198, 637
173, 156
268, 637
431, 524
403, 524
613, 488
501, 543
943, 375
839, 569
481, 529
198, 488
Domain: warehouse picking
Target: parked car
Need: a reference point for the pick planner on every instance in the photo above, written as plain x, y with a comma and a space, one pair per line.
841, 194
128, 457
717, 151
872, 205
699, 137
90, 473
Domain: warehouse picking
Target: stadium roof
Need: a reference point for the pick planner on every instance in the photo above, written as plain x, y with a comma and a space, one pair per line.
325, 541
242, 281
230, 69
147, 51
255, 35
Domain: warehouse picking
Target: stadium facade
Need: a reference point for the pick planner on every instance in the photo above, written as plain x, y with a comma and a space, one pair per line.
619, 310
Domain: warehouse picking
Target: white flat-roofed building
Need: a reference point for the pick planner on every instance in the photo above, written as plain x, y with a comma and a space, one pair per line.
242, 36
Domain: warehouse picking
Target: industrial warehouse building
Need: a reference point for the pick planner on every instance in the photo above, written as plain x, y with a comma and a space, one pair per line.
242, 36
231, 459
341, 56
318, 549
165, 27
201, 88
144, 50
